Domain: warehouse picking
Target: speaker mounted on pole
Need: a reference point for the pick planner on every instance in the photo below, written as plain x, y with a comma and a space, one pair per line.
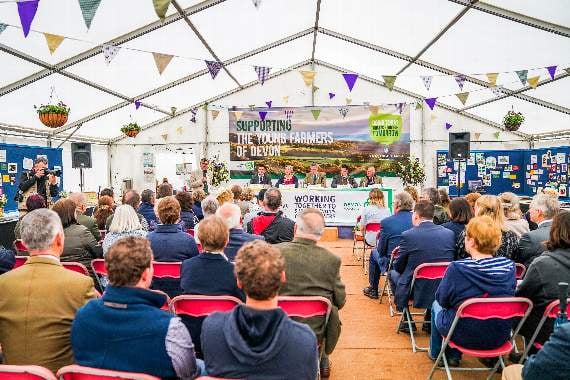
80, 155
459, 145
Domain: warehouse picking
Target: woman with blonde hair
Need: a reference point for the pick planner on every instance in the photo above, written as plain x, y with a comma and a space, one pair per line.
225, 196
413, 192
125, 223
491, 205
374, 212
514, 217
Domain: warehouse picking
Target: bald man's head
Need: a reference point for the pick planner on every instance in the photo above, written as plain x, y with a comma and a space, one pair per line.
310, 224
132, 198
230, 213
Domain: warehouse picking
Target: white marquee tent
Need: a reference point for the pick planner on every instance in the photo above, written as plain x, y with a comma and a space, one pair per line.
440, 39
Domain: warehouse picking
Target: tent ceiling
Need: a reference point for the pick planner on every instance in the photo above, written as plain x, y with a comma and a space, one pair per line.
373, 38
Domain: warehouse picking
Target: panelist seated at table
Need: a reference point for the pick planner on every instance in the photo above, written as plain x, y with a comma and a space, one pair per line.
371, 178
288, 178
343, 179
315, 178
261, 177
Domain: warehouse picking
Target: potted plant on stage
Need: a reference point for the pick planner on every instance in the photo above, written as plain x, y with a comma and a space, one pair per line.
53, 115
513, 120
3, 202
131, 129
411, 171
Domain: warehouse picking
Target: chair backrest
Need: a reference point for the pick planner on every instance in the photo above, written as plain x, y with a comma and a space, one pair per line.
166, 269
190, 232
25, 372
98, 266
75, 267
305, 306
372, 227
430, 271
77, 372
20, 246
499, 307
200, 249
166, 305
202, 306
20, 260
520, 270
553, 308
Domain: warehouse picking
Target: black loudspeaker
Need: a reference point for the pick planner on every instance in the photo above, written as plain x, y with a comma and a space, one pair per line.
80, 155
459, 145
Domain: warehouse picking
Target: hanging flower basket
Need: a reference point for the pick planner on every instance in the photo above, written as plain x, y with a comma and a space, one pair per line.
53, 115
131, 129
513, 120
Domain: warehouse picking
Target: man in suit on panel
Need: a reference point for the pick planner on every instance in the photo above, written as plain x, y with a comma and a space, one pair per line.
261, 178
40, 299
371, 178
313, 177
343, 178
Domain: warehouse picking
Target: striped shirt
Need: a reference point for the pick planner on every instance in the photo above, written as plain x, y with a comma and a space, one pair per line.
490, 265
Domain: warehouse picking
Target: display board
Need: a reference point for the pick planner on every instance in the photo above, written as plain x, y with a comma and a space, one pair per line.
330, 136
15, 159
547, 167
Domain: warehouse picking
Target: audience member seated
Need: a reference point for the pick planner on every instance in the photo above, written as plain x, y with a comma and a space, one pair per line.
187, 217
125, 330
231, 215
481, 275
246, 202
146, 209
255, 207
374, 212
39, 300
514, 220
34, 202
125, 223
133, 199
197, 197
164, 190
105, 208
542, 209
471, 198
461, 214
431, 194
257, 340
107, 192
413, 192
552, 362
389, 238
271, 223
209, 206
490, 205
540, 283
169, 243
7, 259
225, 196
426, 242
343, 179
87, 221
444, 200
210, 273
288, 178
80, 245
237, 192
314, 271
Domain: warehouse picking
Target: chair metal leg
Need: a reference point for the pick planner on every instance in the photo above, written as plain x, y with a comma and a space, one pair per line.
400, 322
446, 366
412, 337
496, 367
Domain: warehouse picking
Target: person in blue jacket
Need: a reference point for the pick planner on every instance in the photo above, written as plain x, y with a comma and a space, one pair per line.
461, 214
146, 208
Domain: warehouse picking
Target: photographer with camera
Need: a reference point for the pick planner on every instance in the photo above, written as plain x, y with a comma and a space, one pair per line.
39, 180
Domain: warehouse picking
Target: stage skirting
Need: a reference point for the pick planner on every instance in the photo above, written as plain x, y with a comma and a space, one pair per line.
340, 207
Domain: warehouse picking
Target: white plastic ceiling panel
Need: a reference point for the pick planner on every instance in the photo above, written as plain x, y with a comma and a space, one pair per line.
551, 10
14, 68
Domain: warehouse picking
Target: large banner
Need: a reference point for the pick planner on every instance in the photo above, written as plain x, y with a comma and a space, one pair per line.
331, 136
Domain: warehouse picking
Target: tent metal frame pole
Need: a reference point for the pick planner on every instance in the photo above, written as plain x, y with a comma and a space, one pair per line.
316, 30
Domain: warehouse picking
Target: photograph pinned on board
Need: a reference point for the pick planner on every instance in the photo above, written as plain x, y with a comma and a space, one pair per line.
562, 191
503, 160
471, 159
12, 167
480, 158
491, 162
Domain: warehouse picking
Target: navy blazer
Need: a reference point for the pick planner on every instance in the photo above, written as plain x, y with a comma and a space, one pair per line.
265, 180
197, 210
238, 238
390, 235
425, 243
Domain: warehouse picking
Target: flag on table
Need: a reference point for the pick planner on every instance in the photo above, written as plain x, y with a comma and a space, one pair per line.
262, 73
214, 68
427, 81
88, 9
27, 11
110, 52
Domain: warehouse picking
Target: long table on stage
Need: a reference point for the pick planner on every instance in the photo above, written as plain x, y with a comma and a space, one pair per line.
7, 224
340, 207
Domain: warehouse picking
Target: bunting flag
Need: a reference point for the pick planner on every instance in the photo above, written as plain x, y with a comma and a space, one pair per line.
427, 81
286, 99
269, 103
137, 104
316, 113
374, 109
343, 111
251, 107
400, 107
214, 68
262, 73
448, 126
389, 81
215, 114
308, 76
160, 7
162, 60
256, 3
567, 70
477, 135
88, 9
522, 74
350, 79
164, 136
314, 89
2, 27
551, 71
173, 110
533, 82
193, 111
419, 106
497, 91
462, 96
348, 101
497, 135
288, 114
433, 117
492, 78
431, 102
262, 115
27, 11
110, 52
179, 130
331, 95
53, 41
238, 115
460, 79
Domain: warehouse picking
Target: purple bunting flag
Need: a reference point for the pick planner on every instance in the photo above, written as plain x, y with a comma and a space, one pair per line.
288, 114
448, 126
400, 107
431, 102
551, 71
27, 11
214, 68
193, 111
262, 115
331, 95
350, 80
137, 104
460, 79
343, 111
262, 73
269, 103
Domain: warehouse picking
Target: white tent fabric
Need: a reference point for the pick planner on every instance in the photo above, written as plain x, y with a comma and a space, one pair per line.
438, 38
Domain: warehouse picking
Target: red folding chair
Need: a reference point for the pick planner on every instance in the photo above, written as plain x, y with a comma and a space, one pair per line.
166, 305
164, 269
25, 372
426, 271
20, 246
483, 309
200, 247
201, 306
370, 227
551, 312
77, 372
20, 260
98, 267
75, 267
520, 270
387, 288
190, 232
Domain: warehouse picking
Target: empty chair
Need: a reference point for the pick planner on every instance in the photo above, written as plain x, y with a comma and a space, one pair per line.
25, 372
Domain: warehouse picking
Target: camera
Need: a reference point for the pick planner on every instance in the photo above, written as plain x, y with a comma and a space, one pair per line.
54, 172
